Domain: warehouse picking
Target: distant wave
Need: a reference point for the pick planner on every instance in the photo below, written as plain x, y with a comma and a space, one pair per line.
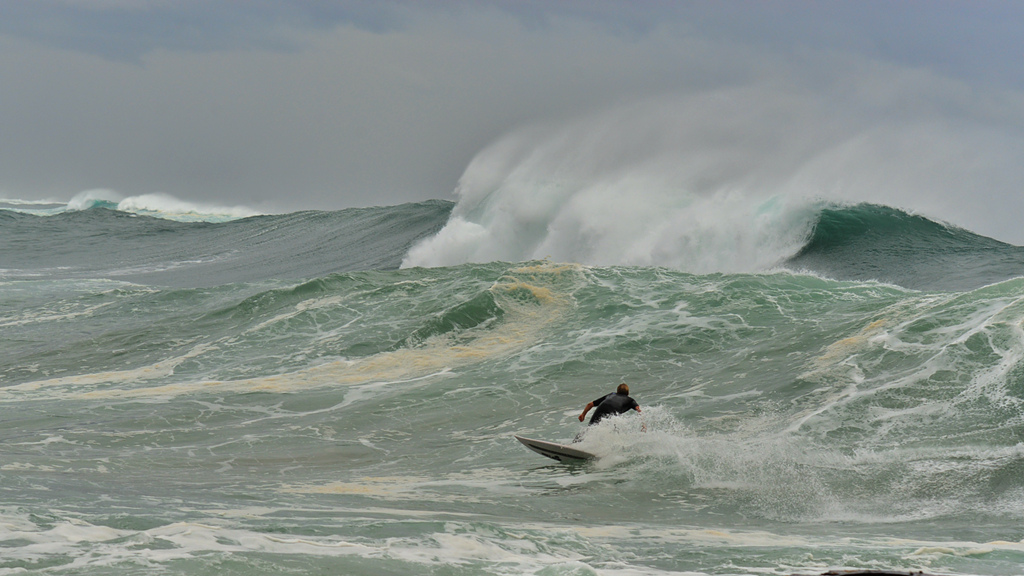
104, 243
159, 206
162, 206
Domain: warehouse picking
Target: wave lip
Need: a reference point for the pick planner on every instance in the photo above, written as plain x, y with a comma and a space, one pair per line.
96, 198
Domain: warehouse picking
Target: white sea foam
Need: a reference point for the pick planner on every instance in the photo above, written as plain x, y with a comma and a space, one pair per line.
530, 296
584, 193
171, 208
513, 548
159, 206
34, 207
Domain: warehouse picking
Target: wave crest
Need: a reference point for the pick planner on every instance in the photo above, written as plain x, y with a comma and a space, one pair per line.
630, 187
162, 206
659, 183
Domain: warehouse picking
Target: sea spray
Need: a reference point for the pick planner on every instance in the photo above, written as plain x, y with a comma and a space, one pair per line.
730, 180
627, 187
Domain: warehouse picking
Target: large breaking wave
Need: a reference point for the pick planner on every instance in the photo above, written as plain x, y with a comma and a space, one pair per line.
737, 181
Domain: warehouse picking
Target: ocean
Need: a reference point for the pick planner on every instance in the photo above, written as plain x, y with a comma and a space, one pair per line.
336, 392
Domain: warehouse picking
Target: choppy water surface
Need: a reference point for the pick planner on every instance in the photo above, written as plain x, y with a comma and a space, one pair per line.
274, 394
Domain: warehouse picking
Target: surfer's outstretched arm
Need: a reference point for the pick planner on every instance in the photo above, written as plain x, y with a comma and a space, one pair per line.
585, 410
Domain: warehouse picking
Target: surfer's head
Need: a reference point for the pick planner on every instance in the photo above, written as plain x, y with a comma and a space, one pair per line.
622, 389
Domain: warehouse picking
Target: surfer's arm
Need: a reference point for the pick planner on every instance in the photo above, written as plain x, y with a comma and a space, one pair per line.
585, 410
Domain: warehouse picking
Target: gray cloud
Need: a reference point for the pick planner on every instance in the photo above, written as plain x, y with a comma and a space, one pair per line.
355, 117
977, 39
289, 105
129, 29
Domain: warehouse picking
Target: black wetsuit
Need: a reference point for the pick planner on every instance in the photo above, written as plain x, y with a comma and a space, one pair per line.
612, 404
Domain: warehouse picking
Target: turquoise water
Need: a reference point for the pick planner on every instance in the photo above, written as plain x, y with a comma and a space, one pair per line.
275, 395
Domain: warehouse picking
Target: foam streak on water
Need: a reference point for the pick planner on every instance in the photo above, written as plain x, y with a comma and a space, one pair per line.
292, 402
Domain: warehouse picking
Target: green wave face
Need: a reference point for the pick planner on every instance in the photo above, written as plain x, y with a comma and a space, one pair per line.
870, 242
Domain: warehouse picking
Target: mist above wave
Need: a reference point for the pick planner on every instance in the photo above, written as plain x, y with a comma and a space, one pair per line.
731, 180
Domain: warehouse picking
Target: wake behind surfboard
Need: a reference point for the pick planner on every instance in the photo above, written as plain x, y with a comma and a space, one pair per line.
556, 451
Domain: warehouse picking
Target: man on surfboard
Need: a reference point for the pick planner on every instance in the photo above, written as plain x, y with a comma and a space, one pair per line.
617, 402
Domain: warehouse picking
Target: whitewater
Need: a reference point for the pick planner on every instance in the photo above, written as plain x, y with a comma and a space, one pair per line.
828, 381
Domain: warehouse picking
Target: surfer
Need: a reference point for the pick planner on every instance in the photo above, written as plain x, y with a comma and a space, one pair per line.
617, 402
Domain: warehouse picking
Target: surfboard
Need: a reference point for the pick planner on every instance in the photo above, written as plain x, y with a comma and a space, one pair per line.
559, 452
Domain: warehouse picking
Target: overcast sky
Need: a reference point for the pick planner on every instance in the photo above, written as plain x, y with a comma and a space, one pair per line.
290, 105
